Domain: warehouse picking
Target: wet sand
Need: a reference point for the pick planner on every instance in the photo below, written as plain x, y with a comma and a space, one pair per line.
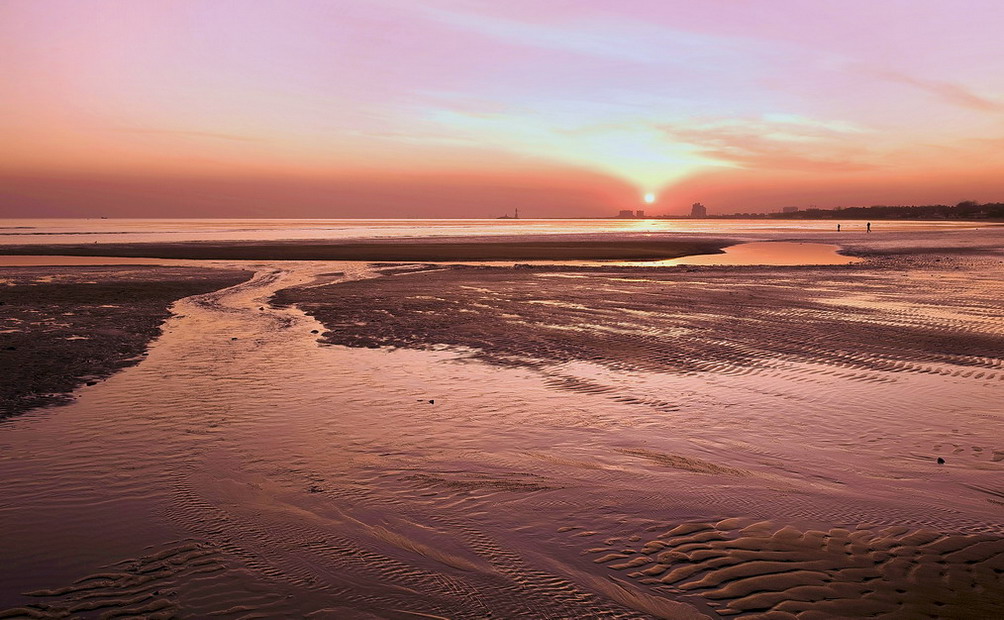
861, 317
744, 338
584, 247
60, 329
555, 442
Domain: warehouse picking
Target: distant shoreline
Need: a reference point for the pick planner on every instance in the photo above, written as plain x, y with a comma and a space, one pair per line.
827, 214
380, 250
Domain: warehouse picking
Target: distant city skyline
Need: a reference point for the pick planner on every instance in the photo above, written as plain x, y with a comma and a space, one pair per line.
450, 108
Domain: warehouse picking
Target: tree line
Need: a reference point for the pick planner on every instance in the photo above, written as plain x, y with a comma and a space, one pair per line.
966, 210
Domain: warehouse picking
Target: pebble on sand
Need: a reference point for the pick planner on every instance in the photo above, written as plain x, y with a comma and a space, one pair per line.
941, 461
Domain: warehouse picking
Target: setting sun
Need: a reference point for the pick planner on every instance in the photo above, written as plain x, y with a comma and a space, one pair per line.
649, 198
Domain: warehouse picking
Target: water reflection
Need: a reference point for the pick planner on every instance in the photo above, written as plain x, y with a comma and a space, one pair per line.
35, 231
778, 253
70, 261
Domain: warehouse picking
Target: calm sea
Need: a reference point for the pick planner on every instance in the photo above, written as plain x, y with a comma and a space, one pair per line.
32, 231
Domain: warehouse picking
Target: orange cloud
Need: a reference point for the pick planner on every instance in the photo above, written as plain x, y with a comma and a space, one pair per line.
955, 94
758, 145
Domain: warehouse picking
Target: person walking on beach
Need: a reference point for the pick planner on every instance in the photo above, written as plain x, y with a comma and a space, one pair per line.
838, 227
869, 227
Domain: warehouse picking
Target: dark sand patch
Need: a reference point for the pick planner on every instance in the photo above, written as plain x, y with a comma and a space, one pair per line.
62, 328
395, 250
868, 317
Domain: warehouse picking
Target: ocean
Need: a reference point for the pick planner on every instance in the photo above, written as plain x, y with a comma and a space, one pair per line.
92, 230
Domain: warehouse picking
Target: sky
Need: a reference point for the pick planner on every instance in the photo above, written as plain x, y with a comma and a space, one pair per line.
464, 108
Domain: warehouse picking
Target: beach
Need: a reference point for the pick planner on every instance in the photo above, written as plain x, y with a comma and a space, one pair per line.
533, 427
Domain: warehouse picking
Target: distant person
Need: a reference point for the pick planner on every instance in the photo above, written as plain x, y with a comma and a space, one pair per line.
868, 228
838, 227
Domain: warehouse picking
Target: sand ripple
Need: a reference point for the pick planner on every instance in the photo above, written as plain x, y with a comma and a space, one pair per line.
780, 571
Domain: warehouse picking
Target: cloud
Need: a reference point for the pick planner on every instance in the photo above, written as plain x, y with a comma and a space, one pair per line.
787, 143
417, 137
186, 133
947, 91
610, 37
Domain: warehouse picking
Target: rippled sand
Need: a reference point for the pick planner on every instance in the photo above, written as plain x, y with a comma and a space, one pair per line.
535, 442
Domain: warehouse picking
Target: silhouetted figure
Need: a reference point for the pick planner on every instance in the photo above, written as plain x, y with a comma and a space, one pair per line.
868, 228
838, 227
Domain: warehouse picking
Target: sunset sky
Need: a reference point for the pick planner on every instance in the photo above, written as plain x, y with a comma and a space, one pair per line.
454, 108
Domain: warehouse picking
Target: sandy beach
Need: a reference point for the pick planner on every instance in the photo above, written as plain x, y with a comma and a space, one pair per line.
364, 438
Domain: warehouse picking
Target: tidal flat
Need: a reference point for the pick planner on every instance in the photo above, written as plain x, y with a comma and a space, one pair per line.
357, 440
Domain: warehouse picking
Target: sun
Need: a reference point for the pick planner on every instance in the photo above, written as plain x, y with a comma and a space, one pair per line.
649, 198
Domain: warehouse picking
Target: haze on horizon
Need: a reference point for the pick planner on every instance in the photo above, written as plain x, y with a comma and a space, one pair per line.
454, 108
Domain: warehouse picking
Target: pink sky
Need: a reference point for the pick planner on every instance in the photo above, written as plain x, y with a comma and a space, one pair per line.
408, 108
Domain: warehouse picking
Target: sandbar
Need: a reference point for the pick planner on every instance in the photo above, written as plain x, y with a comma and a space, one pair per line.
398, 250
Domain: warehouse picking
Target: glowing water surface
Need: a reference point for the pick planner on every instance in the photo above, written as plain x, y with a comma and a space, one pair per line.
779, 253
34, 231
28, 260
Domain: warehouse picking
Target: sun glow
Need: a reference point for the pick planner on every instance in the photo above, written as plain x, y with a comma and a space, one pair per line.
553, 102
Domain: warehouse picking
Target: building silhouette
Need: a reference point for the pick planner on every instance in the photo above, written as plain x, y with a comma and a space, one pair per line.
698, 210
